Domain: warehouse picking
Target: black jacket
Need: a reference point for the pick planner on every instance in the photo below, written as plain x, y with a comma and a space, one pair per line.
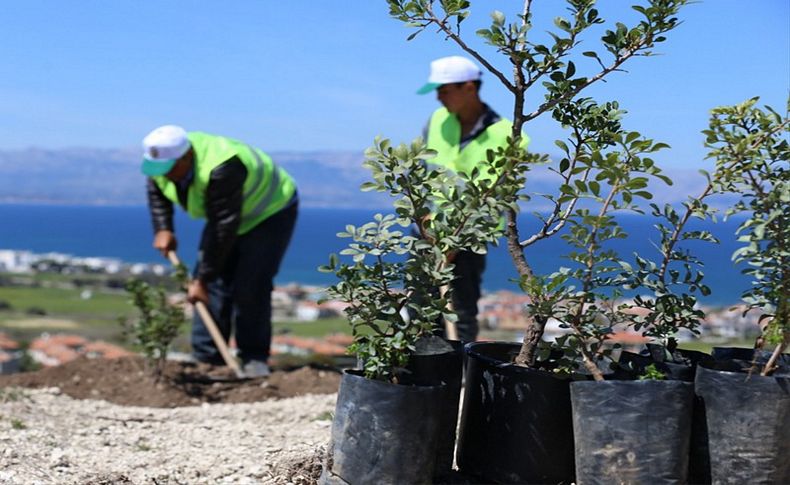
223, 214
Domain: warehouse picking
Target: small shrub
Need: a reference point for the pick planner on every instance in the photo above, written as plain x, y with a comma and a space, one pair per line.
604, 169
652, 373
325, 416
36, 310
392, 271
18, 424
27, 363
750, 146
157, 325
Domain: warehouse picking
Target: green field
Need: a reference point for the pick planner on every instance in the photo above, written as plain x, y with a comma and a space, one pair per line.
34, 310
317, 328
96, 305
97, 315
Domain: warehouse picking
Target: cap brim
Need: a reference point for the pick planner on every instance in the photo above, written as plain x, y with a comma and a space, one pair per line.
154, 168
428, 88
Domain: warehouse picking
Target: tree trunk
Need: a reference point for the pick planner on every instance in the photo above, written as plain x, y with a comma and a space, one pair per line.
528, 353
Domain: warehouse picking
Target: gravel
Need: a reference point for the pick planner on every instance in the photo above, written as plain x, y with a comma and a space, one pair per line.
47, 437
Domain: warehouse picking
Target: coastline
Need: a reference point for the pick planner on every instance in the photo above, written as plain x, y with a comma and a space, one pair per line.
124, 233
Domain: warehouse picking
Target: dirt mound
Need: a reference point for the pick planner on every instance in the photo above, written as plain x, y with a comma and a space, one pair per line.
126, 381
302, 470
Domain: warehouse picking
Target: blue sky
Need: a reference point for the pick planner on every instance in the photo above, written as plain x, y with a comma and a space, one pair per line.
318, 75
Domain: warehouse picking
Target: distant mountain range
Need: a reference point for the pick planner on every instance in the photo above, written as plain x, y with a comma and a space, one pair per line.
325, 178
112, 177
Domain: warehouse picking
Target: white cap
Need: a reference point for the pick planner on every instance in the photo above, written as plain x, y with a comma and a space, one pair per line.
448, 70
162, 147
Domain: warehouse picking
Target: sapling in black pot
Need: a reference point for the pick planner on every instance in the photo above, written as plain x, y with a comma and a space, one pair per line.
753, 144
585, 299
747, 403
533, 443
672, 283
635, 451
394, 424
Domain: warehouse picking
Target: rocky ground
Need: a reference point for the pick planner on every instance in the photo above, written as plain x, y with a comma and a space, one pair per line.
113, 421
48, 437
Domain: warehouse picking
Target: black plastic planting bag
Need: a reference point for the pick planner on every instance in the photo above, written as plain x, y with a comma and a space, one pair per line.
748, 426
741, 353
678, 356
516, 422
738, 359
632, 432
383, 433
679, 365
434, 362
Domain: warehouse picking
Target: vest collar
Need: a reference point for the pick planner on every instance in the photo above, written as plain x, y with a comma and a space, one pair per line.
488, 118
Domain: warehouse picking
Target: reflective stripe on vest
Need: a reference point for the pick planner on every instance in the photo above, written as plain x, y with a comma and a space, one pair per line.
274, 183
257, 174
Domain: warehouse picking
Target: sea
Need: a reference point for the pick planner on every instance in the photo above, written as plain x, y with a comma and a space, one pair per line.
125, 233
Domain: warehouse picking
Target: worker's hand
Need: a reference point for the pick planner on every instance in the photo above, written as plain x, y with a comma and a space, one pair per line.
165, 241
424, 225
197, 291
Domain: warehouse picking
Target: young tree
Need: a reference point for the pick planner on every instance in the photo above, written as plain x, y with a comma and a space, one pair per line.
158, 322
750, 147
603, 167
394, 270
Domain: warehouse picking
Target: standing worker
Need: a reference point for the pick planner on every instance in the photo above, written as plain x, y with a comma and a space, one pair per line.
250, 206
461, 132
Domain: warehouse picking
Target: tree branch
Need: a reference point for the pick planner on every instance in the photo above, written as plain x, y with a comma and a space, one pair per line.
442, 24
514, 248
572, 93
555, 215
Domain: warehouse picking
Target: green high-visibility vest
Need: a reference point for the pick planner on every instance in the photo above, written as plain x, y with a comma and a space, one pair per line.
444, 136
267, 189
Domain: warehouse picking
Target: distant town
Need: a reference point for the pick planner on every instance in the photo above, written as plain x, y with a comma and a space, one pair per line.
501, 311
23, 262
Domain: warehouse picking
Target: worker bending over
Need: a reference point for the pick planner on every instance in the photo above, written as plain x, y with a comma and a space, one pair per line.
250, 206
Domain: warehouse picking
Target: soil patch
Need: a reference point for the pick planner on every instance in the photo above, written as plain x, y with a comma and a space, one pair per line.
127, 382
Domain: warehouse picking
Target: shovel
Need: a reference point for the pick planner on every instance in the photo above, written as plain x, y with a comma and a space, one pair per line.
450, 329
208, 321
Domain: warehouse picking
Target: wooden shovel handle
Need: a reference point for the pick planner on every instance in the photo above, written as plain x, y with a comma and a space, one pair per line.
450, 329
208, 320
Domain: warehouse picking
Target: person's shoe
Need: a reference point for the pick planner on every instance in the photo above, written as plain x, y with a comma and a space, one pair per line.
256, 368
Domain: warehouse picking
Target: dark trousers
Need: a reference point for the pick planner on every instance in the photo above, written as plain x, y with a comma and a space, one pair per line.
240, 298
469, 268
468, 272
